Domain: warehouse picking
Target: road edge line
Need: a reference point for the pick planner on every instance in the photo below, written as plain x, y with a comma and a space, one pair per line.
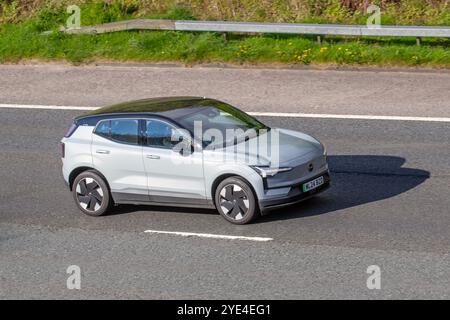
260, 114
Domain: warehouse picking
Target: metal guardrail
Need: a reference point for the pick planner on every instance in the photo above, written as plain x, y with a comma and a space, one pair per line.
266, 27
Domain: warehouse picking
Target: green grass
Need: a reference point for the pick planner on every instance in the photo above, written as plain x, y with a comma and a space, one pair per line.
19, 42
22, 41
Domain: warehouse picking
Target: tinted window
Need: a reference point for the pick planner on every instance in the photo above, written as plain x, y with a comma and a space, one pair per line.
159, 134
104, 129
125, 130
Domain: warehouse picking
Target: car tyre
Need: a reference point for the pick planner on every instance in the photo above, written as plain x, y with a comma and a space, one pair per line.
91, 193
236, 201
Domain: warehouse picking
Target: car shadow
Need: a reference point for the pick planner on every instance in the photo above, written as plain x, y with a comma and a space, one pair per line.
355, 180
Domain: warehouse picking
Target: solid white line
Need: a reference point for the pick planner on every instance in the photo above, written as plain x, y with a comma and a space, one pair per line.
33, 106
347, 116
208, 235
263, 114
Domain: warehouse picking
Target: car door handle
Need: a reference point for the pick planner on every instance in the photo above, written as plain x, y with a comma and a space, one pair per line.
152, 156
103, 151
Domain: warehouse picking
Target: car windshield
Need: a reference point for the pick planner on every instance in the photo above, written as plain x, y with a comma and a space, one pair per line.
221, 124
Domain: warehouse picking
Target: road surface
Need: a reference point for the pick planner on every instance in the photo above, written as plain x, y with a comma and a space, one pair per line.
388, 205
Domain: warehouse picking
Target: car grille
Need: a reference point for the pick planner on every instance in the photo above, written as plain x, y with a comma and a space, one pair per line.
298, 174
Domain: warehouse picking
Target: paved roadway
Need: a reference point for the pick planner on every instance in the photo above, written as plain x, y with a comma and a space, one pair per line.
389, 204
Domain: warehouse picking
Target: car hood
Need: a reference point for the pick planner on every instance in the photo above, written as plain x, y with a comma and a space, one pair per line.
283, 148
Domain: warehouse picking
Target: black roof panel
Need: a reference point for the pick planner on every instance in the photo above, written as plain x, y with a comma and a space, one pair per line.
152, 105
167, 107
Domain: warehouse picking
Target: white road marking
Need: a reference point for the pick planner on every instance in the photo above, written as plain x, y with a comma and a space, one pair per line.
209, 235
347, 116
263, 114
33, 106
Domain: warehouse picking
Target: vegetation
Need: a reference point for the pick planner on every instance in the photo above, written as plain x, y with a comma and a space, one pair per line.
22, 23
414, 12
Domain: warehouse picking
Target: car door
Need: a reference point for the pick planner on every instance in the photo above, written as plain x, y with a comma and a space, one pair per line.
117, 154
173, 176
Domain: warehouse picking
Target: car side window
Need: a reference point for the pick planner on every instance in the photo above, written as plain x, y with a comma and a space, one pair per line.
159, 134
125, 130
104, 129
120, 130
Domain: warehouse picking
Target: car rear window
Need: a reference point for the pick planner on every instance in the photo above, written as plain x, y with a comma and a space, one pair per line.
120, 130
104, 129
125, 130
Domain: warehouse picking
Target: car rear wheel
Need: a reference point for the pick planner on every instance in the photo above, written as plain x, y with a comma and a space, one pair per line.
91, 194
236, 201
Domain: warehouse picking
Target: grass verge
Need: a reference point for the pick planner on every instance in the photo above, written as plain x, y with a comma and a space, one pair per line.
23, 41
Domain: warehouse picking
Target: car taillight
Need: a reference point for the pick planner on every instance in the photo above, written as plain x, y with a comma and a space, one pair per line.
63, 150
71, 130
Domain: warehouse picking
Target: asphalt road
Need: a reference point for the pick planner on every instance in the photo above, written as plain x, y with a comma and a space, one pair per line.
379, 92
388, 206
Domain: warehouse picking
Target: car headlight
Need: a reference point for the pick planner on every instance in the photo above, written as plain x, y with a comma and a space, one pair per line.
268, 171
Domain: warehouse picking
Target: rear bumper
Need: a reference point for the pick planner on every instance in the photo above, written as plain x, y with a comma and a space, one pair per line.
65, 175
295, 195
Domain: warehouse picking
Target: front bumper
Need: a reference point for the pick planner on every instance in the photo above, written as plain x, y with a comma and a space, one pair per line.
295, 195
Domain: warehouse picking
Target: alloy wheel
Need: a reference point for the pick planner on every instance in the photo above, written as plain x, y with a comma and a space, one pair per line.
89, 194
234, 201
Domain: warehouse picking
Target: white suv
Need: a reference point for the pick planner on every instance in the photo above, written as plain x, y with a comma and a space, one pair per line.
191, 152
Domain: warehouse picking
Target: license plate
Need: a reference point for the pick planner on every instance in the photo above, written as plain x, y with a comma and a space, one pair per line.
313, 184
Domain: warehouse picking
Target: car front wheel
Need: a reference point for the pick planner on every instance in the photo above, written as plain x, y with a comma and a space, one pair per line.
91, 193
236, 201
